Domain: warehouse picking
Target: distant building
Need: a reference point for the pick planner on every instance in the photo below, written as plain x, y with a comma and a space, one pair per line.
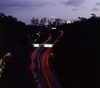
68, 22
63, 21
72, 21
51, 21
58, 21
43, 21
34, 21
46, 24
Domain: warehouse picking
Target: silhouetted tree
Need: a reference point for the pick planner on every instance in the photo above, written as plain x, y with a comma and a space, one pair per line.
77, 54
13, 38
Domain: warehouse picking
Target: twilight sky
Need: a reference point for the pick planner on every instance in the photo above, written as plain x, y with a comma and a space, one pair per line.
24, 10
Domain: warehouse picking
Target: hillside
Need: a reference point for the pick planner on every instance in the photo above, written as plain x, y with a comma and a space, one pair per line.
77, 60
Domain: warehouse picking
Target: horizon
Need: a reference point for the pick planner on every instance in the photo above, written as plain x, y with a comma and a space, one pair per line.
66, 9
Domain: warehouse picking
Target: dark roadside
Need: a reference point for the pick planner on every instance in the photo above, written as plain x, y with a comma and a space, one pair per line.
16, 38
77, 62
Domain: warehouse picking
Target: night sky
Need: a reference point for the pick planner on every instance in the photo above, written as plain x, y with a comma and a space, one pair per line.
24, 10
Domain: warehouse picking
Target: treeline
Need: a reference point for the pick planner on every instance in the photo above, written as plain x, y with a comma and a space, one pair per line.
11, 32
14, 38
77, 62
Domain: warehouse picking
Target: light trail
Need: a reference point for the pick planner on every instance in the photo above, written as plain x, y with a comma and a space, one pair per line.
45, 70
32, 57
3, 62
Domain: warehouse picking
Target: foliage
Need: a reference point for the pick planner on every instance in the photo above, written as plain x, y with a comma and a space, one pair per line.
14, 39
77, 54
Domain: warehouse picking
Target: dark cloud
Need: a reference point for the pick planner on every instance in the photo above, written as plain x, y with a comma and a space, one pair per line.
41, 4
75, 9
98, 4
63, 2
83, 8
9, 6
6, 3
14, 5
95, 9
53, 4
75, 3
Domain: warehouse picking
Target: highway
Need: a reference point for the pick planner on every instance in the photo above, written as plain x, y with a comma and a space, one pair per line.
40, 65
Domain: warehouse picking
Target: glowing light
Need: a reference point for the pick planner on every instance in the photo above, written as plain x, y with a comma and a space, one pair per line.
1, 61
38, 34
48, 45
68, 22
53, 27
44, 45
0, 69
36, 45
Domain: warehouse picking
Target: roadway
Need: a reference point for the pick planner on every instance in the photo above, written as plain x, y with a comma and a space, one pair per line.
40, 66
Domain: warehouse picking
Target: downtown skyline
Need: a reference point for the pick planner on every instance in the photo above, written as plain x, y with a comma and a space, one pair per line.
25, 10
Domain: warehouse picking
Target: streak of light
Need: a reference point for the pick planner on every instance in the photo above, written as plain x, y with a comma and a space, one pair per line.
48, 45
32, 57
37, 38
3, 61
45, 70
